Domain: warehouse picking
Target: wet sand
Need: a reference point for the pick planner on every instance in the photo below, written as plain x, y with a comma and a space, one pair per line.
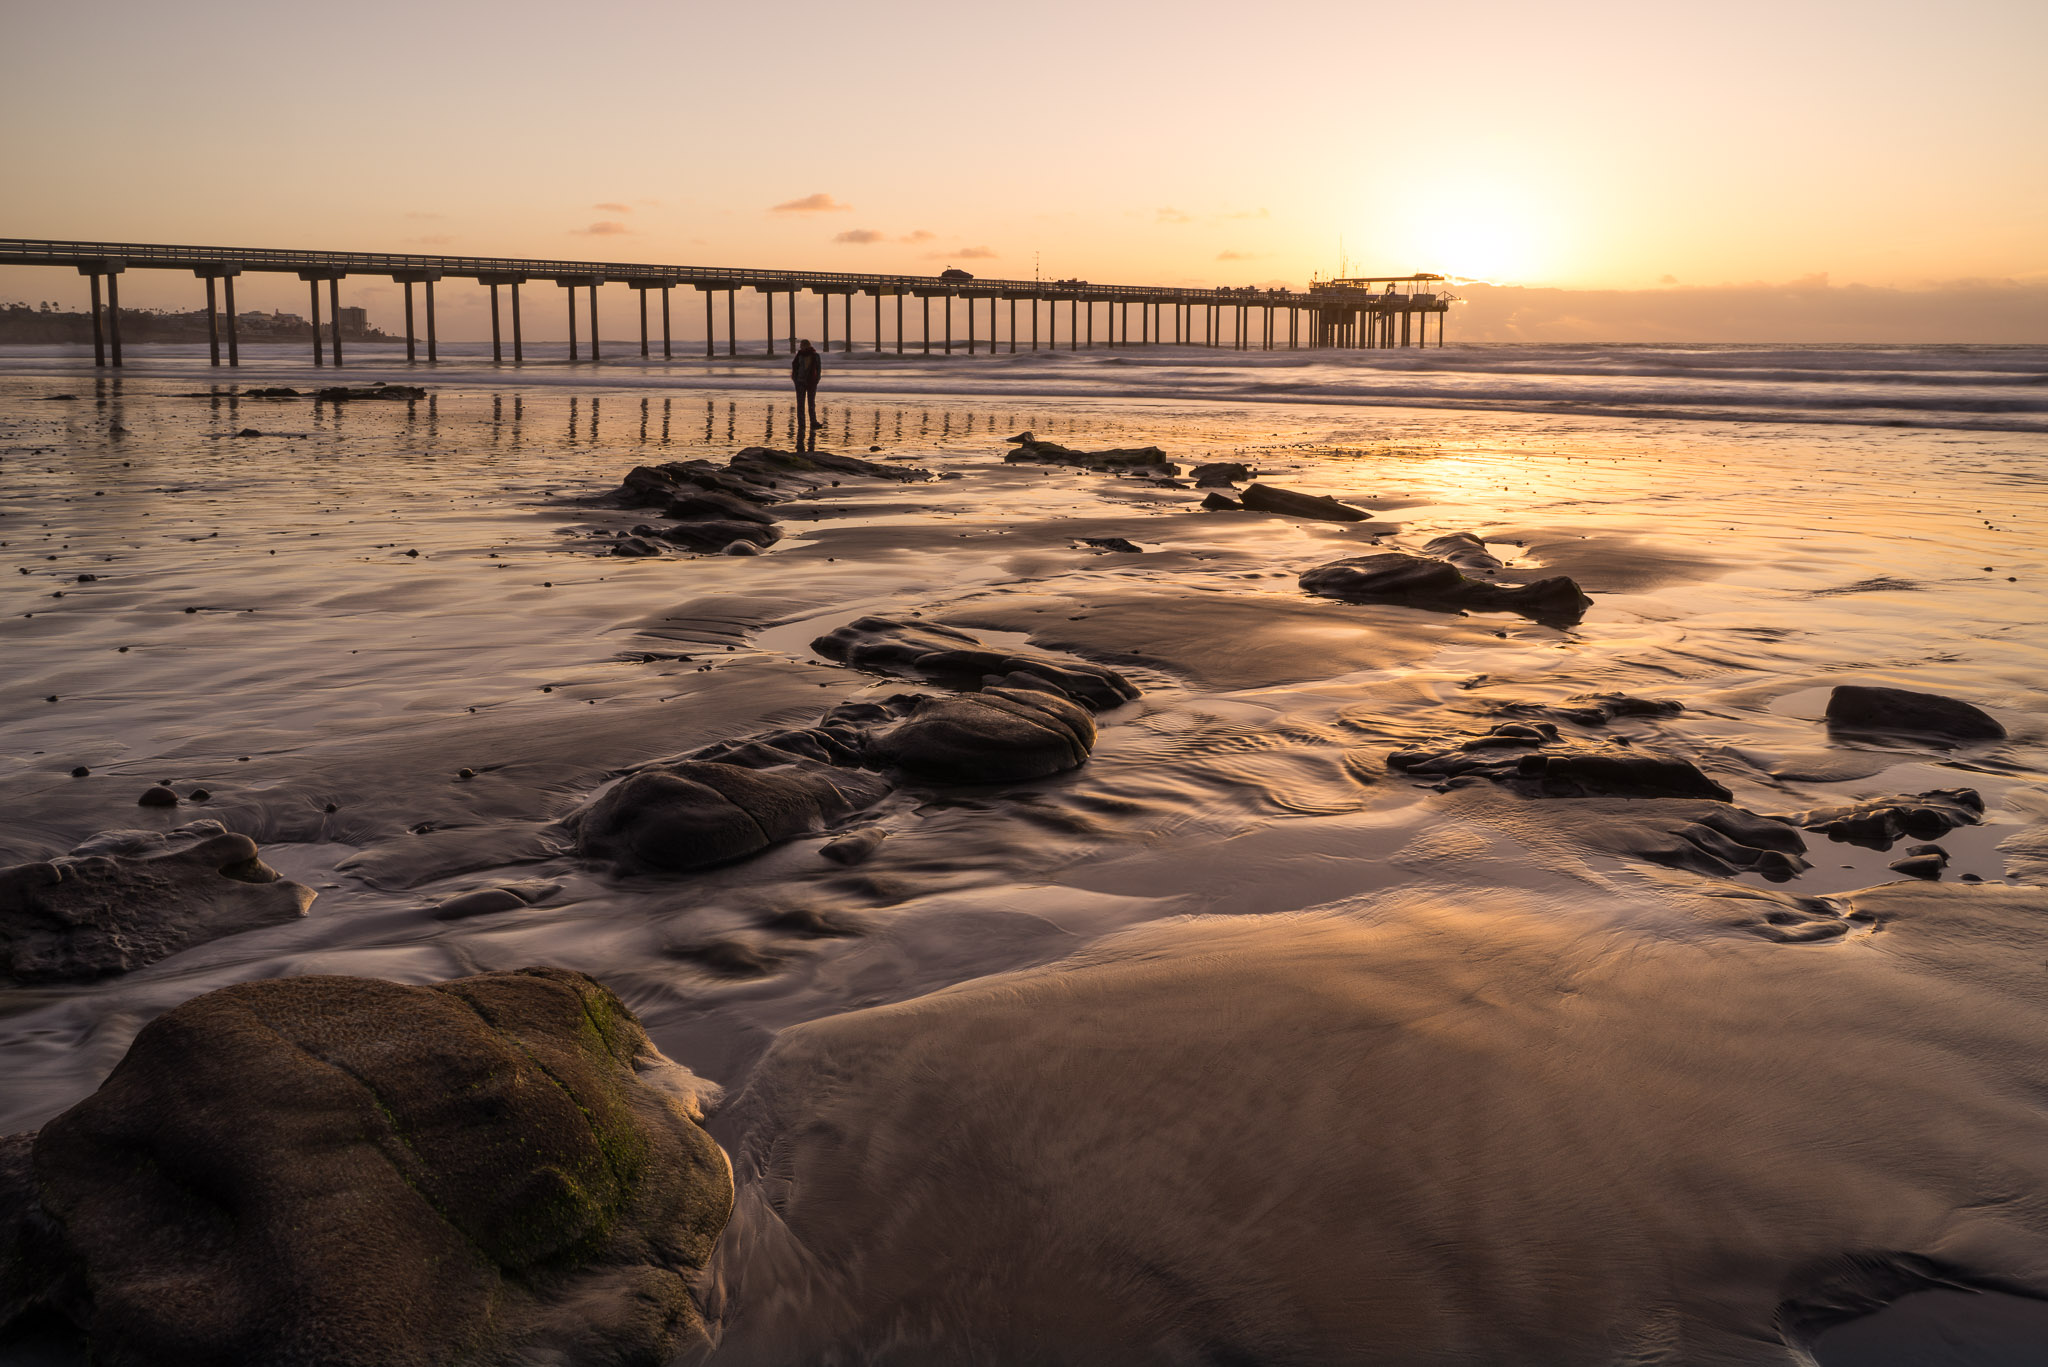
1234, 1044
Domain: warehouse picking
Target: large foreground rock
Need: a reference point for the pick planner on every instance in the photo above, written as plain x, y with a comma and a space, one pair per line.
942, 655
1420, 581
694, 814
333, 1172
128, 898
1855, 707
715, 508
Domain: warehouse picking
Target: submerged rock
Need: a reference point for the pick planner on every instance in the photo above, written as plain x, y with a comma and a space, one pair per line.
1514, 756
1856, 707
1113, 543
128, 898
694, 814
1150, 459
942, 655
1880, 823
1265, 498
1464, 550
343, 393
1419, 581
327, 1171
1595, 709
717, 509
999, 735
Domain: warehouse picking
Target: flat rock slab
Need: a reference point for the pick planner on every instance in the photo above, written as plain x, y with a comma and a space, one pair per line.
943, 655
326, 1171
695, 814
1422, 581
1535, 761
128, 898
1149, 459
1880, 823
1855, 707
1265, 498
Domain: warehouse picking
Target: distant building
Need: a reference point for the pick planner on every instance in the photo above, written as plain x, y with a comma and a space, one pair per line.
354, 322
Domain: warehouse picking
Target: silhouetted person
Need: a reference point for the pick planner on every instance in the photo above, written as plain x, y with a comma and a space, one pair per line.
804, 371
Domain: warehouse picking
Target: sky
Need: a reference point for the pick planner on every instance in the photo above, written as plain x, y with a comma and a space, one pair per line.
1656, 150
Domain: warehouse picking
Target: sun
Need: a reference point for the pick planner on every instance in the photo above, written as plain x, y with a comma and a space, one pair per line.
1477, 230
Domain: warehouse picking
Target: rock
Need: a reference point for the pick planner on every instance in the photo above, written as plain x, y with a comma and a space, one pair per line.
128, 898
1464, 550
1220, 473
1265, 498
732, 958
1855, 707
248, 432
344, 393
1150, 459
1880, 823
325, 1171
741, 548
814, 469
1595, 709
1221, 503
710, 537
1112, 543
717, 505
943, 655
1919, 866
999, 735
855, 846
157, 796
482, 902
1514, 757
1418, 581
82, 772
273, 392
1935, 850
694, 814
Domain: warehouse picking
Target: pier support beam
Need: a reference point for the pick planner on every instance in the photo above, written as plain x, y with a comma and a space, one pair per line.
411, 356
227, 282
593, 322
667, 341
433, 336
497, 344
518, 342
99, 341
334, 315
212, 324
319, 356
211, 274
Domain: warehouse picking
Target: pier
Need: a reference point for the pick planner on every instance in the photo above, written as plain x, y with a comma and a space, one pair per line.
1353, 312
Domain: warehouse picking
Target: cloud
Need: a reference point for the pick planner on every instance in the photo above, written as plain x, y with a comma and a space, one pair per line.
820, 203
918, 235
1238, 256
614, 208
1173, 216
1667, 279
975, 254
606, 228
858, 237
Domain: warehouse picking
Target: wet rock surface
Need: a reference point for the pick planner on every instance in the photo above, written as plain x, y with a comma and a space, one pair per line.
1421, 581
715, 508
1266, 498
1855, 707
1147, 459
1221, 473
1594, 709
695, 814
327, 1170
943, 655
128, 898
1537, 762
1464, 550
346, 393
999, 735
1879, 823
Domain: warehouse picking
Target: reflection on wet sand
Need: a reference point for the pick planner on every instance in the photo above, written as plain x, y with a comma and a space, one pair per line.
1233, 1042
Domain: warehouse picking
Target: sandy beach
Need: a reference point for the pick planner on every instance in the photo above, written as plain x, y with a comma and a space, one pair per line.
1236, 1042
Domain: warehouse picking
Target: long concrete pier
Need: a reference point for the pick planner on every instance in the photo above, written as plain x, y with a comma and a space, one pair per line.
1355, 312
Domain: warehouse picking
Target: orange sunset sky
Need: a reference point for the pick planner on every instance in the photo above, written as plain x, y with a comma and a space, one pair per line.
1583, 149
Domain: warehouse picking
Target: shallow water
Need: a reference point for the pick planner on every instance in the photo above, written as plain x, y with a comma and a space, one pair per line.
1446, 1076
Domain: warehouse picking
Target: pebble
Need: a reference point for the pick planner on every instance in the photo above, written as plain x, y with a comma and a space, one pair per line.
466, 773
80, 772
159, 796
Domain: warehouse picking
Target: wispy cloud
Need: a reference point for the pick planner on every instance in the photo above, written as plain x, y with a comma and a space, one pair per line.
918, 235
820, 203
962, 254
606, 228
1173, 216
1238, 256
614, 208
858, 237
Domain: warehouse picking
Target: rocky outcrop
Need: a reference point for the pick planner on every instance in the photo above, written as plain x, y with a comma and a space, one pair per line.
1145, 459
345, 393
1880, 823
695, 814
328, 1171
1464, 550
1855, 707
1420, 581
1594, 709
999, 735
716, 508
1536, 762
1220, 473
128, 898
1265, 498
942, 655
